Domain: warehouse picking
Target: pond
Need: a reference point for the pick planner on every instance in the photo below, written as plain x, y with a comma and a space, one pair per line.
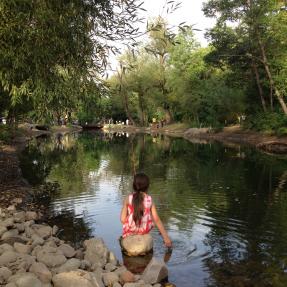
225, 208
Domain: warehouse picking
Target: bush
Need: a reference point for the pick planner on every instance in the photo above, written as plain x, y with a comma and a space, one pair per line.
5, 134
274, 123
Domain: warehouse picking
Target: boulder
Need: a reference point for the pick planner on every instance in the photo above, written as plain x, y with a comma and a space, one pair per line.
3, 229
110, 267
96, 251
44, 231
22, 248
112, 258
50, 256
10, 233
6, 247
109, 278
7, 257
31, 215
67, 250
5, 273
41, 271
25, 280
155, 272
126, 277
76, 279
70, 265
135, 245
9, 222
19, 217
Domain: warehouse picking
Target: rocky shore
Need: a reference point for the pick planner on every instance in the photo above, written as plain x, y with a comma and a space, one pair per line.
31, 255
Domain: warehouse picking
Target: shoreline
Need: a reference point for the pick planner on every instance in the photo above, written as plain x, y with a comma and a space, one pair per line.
230, 136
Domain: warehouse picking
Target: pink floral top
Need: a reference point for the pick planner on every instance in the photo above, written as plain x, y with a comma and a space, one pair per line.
130, 227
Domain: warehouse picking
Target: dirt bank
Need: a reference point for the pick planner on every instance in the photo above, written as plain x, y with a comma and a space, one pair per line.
236, 135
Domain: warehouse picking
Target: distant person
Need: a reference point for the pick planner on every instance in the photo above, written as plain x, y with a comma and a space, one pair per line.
139, 214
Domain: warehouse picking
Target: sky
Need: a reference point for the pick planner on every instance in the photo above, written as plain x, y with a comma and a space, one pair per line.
189, 12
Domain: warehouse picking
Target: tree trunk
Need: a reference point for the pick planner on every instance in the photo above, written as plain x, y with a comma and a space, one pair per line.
141, 106
260, 90
126, 105
269, 75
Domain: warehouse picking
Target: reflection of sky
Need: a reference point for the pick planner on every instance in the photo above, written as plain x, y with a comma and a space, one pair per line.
202, 205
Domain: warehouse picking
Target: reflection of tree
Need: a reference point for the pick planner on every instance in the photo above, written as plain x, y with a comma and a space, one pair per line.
233, 197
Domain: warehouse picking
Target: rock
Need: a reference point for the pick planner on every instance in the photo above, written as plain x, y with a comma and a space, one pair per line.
25, 280
51, 257
3, 229
31, 215
23, 262
137, 284
85, 265
41, 271
126, 277
117, 284
96, 251
38, 241
10, 233
67, 250
22, 248
5, 273
19, 217
29, 223
112, 258
79, 254
76, 279
55, 230
135, 245
51, 243
7, 257
6, 247
157, 285
110, 267
9, 222
109, 278
120, 270
155, 272
11, 208
70, 265
44, 231
20, 227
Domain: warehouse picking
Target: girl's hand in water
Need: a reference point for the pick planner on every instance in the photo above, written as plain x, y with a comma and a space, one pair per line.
167, 242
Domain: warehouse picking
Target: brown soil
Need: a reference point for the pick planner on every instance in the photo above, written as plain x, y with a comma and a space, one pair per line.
13, 188
235, 135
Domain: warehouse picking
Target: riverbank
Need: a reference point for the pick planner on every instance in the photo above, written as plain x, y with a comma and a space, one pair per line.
233, 135
32, 255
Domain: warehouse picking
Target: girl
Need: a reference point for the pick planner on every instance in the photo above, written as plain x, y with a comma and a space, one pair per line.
139, 212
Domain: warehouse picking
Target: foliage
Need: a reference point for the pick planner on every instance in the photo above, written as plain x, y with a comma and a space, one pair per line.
268, 122
51, 51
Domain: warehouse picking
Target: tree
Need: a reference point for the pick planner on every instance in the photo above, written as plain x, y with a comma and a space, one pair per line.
41, 38
253, 20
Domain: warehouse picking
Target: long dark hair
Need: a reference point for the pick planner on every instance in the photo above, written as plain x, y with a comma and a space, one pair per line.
140, 185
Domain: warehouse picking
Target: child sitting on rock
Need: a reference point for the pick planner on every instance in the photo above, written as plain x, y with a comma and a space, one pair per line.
137, 216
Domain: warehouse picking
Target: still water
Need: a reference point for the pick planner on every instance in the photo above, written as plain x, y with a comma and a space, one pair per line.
225, 208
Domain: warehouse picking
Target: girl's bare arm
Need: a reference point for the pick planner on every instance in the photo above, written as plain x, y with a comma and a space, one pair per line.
160, 227
124, 211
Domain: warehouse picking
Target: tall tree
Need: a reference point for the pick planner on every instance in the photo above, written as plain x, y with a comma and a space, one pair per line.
40, 38
253, 20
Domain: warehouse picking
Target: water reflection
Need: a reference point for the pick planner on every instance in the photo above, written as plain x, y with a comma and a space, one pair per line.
224, 207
